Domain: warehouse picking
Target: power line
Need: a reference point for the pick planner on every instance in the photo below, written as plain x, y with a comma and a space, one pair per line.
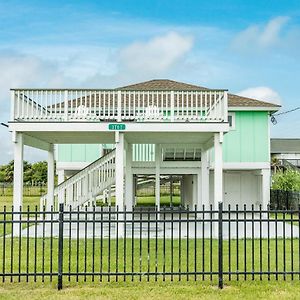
286, 112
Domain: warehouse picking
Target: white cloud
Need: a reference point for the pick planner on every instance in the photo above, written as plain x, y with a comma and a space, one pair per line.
17, 70
261, 93
257, 37
156, 55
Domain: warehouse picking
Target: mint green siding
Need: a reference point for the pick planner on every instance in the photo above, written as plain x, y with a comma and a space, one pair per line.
143, 152
78, 152
249, 141
89, 153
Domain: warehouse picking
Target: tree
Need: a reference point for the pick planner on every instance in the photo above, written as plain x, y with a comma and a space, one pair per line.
275, 164
2, 173
39, 171
288, 180
27, 172
36, 172
9, 172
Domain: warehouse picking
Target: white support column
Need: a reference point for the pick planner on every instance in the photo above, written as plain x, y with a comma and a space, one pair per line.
205, 179
18, 170
119, 175
135, 180
18, 178
129, 178
195, 192
218, 171
182, 191
157, 175
60, 176
101, 150
109, 196
50, 179
265, 185
199, 191
119, 139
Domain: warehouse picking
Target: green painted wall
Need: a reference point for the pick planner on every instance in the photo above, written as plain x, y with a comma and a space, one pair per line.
77, 153
143, 152
249, 141
89, 153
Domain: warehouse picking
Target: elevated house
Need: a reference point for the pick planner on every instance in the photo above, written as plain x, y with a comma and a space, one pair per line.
217, 142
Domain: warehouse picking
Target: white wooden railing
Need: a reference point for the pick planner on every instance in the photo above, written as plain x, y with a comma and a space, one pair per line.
85, 185
118, 105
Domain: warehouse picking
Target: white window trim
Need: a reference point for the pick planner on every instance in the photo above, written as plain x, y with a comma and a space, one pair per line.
232, 114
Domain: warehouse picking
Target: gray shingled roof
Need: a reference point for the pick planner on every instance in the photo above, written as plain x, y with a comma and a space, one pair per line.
166, 84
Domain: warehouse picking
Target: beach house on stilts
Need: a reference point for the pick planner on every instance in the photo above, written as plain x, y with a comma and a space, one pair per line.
217, 143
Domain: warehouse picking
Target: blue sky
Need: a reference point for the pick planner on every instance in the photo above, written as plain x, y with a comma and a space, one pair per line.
249, 47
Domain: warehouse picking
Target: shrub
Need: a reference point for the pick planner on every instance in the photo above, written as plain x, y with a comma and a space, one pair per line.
288, 180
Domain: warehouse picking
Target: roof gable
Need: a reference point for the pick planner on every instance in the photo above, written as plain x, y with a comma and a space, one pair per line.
162, 85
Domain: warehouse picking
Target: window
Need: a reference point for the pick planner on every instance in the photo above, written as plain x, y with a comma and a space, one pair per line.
231, 120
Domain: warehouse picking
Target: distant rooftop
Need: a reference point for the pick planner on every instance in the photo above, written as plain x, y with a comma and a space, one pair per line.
285, 145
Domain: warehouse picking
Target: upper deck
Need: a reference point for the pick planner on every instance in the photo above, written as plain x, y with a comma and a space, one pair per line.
103, 105
158, 111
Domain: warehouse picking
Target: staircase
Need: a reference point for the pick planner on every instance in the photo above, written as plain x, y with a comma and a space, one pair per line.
85, 185
97, 178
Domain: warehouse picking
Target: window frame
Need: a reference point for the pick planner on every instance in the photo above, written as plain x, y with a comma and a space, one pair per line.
232, 115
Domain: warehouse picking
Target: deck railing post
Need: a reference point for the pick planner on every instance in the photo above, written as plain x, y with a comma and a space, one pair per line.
172, 106
66, 105
12, 105
60, 244
220, 244
225, 107
119, 117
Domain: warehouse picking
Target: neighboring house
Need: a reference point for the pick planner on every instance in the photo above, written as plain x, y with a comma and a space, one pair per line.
286, 151
219, 143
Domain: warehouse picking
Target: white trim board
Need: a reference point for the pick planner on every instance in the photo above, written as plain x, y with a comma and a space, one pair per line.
130, 127
244, 165
71, 165
166, 171
253, 108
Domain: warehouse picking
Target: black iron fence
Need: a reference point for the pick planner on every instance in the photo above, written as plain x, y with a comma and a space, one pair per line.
284, 199
106, 244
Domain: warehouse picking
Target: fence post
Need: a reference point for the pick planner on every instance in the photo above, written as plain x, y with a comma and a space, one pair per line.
60, 244
220, 244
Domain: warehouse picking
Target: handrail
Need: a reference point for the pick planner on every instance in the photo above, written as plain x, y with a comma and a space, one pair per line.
113, 90
94, 163
86, 184
64, 105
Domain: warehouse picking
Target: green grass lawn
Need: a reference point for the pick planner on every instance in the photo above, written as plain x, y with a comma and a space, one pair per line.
164, 200
291, 218
32, 201
150, 201
140, 257
199, 289
163, 290
7, 201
